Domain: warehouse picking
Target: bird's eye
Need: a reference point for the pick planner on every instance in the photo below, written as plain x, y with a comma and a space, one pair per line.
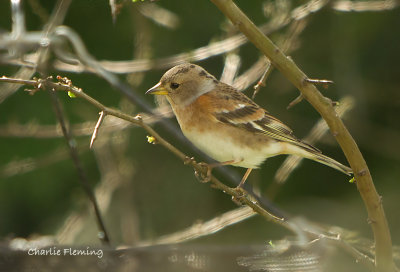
174, 85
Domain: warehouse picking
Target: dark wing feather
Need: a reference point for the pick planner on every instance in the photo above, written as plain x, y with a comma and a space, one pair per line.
243, 113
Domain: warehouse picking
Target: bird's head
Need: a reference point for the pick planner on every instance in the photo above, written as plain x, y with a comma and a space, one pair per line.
184, 83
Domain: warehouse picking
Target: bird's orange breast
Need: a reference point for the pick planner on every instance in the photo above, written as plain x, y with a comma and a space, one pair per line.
197, 114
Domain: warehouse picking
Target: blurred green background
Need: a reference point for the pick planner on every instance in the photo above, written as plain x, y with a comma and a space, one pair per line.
148, 191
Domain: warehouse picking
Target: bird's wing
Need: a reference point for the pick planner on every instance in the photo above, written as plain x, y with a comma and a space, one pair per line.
240, 111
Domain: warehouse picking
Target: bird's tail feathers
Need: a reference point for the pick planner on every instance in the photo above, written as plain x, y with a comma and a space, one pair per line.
316, 155
332, 163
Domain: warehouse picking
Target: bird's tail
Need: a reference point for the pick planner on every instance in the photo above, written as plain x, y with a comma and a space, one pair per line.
331, 162
312, 153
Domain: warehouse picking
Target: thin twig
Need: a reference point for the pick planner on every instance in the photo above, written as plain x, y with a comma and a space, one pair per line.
288, 42
323, 82
112, 178
251, 75
358, 255
296, 101
263, 79
103, 235
56, 18
96, 128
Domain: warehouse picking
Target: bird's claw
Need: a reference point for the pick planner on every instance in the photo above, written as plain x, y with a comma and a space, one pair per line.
203, 174
240, 195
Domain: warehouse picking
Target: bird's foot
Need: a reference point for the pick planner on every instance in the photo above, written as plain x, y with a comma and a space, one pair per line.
204, 173
241, 193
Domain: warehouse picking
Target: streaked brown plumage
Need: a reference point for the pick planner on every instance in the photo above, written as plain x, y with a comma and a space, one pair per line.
226, 124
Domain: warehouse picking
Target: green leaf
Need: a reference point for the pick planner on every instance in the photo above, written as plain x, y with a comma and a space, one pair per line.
71, 94
271, 244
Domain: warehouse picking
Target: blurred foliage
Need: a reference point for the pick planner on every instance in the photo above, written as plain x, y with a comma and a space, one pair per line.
154, 193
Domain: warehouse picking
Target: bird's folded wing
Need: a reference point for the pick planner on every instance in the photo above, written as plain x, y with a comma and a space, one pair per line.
243, 113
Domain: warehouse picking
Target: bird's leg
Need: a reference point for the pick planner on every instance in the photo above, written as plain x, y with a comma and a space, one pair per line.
246, 175
241, 192
211, 166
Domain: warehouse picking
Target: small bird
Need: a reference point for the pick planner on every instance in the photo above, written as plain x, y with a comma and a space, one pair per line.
226, 124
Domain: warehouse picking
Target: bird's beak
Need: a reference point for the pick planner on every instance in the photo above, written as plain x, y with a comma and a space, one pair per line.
157, 89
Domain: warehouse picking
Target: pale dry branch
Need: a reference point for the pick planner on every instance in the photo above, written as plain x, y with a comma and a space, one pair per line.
262, 68
231, 67
33, 129
83, 62
32, 40
22, 166
18, 24
96, 128
39, 131
7, 89
365, 6
142, 65
201, 229
159, 15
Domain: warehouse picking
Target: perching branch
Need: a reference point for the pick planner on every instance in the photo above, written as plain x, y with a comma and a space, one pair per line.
237, 195
365, 185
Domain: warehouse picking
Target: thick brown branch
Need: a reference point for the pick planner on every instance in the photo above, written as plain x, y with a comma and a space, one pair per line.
365, 185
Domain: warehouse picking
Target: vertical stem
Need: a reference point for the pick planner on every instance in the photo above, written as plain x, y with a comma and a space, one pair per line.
372, 201
103, 235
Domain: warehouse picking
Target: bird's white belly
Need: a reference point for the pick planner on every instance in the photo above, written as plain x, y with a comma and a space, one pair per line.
222, 149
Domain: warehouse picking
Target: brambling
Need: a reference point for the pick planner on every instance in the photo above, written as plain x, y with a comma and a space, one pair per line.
226, 124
